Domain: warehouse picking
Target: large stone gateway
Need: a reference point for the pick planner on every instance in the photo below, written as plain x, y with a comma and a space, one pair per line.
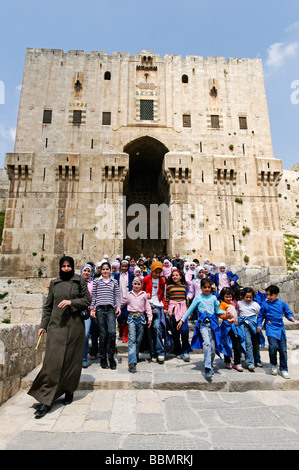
126, 154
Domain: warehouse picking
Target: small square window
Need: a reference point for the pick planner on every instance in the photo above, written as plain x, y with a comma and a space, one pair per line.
146, 110
186, 120
47, 116
243, 122
215, 121
77, 117
106, 119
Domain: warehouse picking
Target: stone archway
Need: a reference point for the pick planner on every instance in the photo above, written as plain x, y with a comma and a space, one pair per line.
145, 189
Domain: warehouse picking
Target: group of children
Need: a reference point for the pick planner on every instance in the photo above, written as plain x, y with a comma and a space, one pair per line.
156, 306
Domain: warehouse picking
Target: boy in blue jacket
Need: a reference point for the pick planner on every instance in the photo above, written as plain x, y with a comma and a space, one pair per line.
272, 311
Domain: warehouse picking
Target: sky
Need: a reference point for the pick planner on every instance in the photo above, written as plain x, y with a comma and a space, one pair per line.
264, 29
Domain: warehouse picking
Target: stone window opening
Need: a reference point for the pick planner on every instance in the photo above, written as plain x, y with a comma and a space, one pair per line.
234, 243
146, 110
215, 124
106, 118
185, 79
213, 91
186, 120
47, 116
78, 85
107, 75
147, 60
243, 122
77, 117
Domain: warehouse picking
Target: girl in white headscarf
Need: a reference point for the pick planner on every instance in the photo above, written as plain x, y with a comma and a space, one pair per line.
114, 268
137, 272
191, 273
225, 278
186, 267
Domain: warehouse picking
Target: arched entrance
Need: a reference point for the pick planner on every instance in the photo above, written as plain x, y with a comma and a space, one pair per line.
145, 189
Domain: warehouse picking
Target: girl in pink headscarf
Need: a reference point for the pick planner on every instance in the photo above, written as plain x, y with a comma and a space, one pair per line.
167, 269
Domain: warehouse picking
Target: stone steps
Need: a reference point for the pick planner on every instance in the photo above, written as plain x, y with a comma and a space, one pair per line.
175, 374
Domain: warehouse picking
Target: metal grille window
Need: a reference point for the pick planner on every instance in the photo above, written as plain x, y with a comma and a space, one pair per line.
243, 122
186, 120
106, 119
146, 110
77, 116
47, 116
215, 121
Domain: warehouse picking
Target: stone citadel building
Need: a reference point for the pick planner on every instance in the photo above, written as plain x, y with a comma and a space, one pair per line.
126, 154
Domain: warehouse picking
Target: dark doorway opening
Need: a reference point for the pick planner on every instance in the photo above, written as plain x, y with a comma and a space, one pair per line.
145, 188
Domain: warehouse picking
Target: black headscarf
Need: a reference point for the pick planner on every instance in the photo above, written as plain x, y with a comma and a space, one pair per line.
66, 276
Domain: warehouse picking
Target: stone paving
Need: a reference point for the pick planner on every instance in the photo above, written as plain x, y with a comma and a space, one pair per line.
169, 407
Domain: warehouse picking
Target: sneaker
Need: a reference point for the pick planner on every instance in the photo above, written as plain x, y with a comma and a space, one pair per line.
179, 356
238, 367
285, 374
154, 359
208, 374
132, 367
228, 365
161, 359
259, 364
85, 364
186, 358
274, 370
251, 367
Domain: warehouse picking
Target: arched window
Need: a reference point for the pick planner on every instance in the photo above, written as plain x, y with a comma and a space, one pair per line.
185, 79
107, 76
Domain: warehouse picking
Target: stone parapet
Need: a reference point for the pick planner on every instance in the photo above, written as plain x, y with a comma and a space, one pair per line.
258, 278
27, 308
17, 356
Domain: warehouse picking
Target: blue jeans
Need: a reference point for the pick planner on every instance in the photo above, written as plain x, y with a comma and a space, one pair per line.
275, 346
136, 330
252, 346
91, 328
87, 324
155, 335
107, 326
209, 344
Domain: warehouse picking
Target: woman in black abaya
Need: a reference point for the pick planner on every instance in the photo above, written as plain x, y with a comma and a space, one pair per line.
61, 320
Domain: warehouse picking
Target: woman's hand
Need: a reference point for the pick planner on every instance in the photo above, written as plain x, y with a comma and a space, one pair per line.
93, 313
64, 303
40, 332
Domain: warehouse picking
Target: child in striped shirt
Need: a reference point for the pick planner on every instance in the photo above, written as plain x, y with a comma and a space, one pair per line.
176, 292
105, 305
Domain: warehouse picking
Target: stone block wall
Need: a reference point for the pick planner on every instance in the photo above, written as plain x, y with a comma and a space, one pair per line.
260, 279
18, 356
